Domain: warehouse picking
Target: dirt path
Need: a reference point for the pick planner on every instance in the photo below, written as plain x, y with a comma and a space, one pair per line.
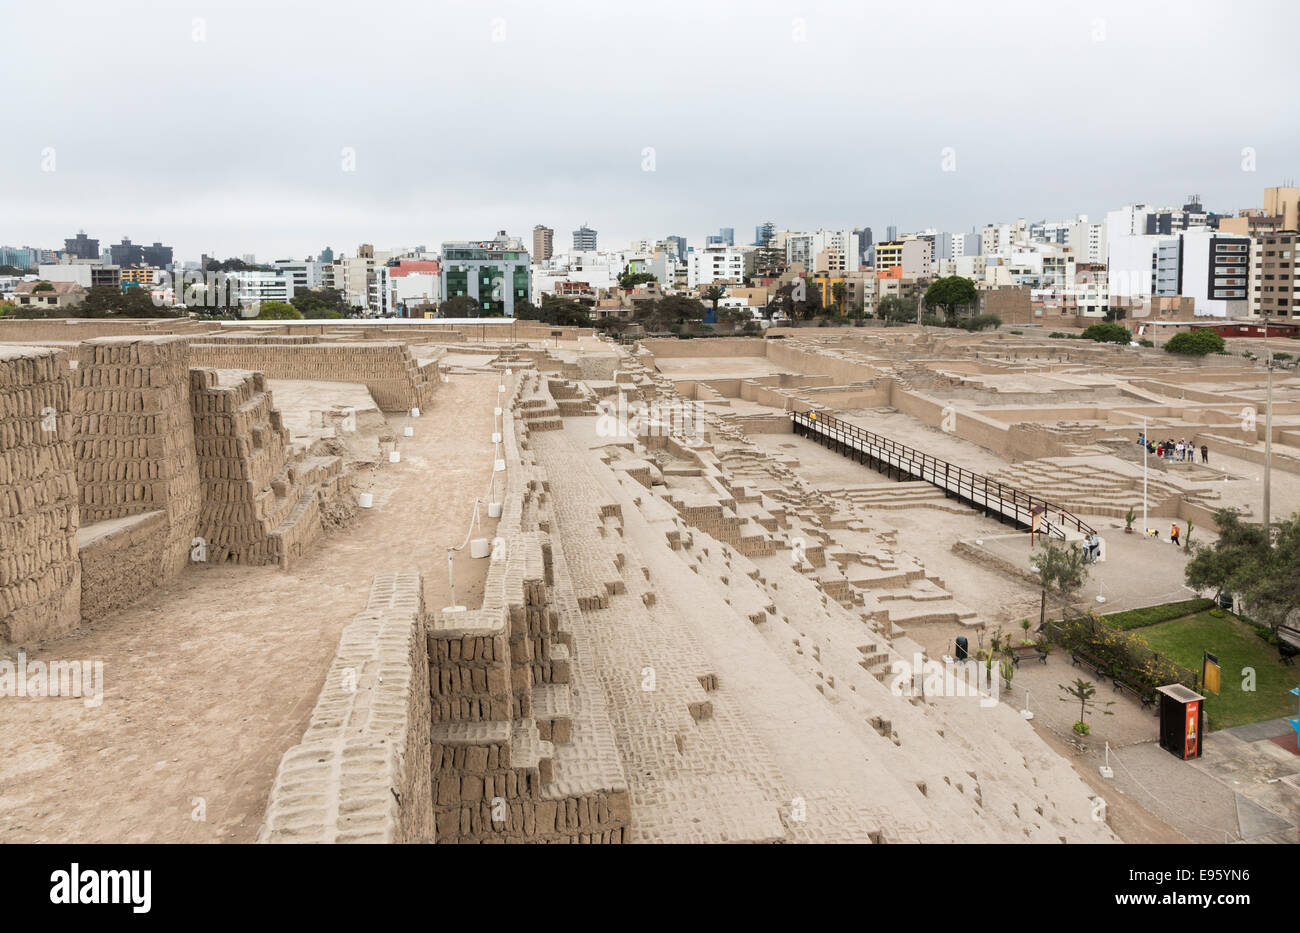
209, 680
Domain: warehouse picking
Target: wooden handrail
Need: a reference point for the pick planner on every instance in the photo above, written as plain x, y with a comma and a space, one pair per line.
908, 457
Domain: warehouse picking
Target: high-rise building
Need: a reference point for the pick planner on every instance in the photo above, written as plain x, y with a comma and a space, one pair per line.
326, 256
584, 238
864, 244
727, 235
81, 247
157, 256
1275, 280
494, 272
680, 243
891, 232
125, 253
543, 243
763, 234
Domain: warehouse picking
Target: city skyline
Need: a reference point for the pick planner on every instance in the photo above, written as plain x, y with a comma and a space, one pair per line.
252, 144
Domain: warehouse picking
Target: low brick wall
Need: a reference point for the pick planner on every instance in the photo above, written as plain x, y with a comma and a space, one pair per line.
362, 771
386, 368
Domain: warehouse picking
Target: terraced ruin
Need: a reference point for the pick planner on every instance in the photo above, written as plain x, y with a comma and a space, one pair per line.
502, 587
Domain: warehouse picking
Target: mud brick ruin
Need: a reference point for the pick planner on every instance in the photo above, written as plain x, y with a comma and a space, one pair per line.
675, 616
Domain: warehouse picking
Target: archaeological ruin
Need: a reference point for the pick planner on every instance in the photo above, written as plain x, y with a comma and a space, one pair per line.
416, 582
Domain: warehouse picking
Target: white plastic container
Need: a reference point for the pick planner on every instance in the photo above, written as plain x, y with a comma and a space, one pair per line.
365, 500
496, 437
408, 432
394, 456
499, 466
415, 412
480, 548
494, 510
497, 412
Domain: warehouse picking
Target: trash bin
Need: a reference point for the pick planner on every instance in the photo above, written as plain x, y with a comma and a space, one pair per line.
1225, 601
961, 647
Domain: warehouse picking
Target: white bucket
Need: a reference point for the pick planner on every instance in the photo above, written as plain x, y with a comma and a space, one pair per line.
497, 412
394, 456
480, 547
494, 510
408, 432
365, 500
415, 412
501, 388
499, 466
496, 437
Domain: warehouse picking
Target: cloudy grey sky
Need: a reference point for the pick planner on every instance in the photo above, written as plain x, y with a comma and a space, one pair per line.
222, 126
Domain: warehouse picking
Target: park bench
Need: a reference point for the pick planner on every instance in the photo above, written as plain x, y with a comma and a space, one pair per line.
1088, 661
1021, 652
1148, 697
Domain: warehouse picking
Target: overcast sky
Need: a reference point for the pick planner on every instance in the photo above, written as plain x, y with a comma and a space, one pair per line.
221, 127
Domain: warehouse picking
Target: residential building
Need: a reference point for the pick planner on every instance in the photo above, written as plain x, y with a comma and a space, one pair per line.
715, 264
87, 273
81, 247
126, 253
543, 243
49, 296
139, 275
305, 274
157, 255
494, 272
254, 287
23, 257
1275, 286
584, 238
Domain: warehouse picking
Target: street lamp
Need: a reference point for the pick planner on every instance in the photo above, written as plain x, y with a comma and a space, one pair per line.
1268, 426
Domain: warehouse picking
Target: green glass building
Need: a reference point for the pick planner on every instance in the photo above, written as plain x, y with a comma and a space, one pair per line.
494, 272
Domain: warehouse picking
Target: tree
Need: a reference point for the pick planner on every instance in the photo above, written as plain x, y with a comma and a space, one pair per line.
1083, 692
108, 301
562, 312
1061, 568
669, 312
1199, 342
839, 292
277, 311
460, 306
629, 279
319, 303
1107, 333
950, 293
1263, 569
714, 294
43, 287
895, 309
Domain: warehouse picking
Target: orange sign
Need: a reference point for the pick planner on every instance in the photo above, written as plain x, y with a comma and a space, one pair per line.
1193, 714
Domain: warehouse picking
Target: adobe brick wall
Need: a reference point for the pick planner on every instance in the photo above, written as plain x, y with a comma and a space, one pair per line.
119, 563
134, 437
40, 575
362, 771
386, 368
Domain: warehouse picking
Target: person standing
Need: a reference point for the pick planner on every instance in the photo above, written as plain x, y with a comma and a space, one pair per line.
1205, 454
1173, 535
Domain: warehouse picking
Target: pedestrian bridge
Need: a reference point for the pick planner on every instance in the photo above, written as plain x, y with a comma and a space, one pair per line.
998, 500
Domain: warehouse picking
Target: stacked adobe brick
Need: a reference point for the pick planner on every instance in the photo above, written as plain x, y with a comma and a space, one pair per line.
40, 575
259, 506
134, 437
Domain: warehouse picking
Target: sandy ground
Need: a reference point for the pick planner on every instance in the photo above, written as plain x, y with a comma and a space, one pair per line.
211, 679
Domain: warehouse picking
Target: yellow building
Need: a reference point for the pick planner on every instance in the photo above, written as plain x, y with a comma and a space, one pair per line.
138, 276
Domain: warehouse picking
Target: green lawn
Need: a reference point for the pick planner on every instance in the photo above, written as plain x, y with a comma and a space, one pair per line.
1238, 647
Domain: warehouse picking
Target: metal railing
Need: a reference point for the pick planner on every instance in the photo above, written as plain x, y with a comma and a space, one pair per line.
994, 497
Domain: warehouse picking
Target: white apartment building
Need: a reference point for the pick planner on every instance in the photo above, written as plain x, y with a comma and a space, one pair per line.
997, 239
715, 264
305, 274
806, 247
1131, 260
255, 287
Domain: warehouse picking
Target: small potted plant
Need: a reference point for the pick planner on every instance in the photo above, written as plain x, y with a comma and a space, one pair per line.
1128, 521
